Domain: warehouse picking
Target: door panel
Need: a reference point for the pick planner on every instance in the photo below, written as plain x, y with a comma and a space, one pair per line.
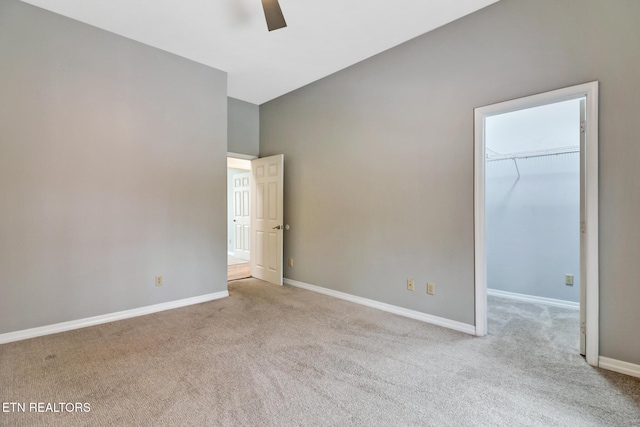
259, 251
273, 247
242, 217
259, 201
267, 218
272, 194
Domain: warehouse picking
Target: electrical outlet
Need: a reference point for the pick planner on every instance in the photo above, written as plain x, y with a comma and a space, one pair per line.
158, 280
409, 284
290, 262
431, 288
568, 279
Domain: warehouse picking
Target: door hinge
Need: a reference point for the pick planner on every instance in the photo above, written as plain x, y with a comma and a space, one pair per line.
583, 227
583, 127
583, 328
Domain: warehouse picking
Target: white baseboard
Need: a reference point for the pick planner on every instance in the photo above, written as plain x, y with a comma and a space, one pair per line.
534, 299
619, 366
105, 318
428, 318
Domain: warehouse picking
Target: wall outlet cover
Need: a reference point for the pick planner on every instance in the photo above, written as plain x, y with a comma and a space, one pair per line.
568, 279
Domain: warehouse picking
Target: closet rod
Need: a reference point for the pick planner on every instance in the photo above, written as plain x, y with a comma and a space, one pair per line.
493, 156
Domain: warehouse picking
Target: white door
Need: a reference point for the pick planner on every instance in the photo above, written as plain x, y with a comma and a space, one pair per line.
267, 187
241, 215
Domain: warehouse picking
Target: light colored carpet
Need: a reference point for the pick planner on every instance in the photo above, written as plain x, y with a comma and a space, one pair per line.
282, 356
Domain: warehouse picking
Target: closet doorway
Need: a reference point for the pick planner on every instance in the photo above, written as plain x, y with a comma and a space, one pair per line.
536, 205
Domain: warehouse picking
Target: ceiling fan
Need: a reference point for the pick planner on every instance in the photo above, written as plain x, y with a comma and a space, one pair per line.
273, 14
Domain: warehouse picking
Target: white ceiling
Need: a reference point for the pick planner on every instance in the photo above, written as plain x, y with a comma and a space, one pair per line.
322, 37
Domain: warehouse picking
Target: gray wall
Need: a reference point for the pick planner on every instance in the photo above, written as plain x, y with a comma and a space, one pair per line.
112, 171
533, 233
244, 127
379, 156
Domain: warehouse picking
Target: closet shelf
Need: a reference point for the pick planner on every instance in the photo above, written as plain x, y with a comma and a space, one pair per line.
494, 156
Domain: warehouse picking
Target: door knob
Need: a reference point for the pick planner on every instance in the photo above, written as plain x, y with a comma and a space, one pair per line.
277, 227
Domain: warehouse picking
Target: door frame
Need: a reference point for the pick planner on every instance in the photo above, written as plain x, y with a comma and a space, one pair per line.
589, 240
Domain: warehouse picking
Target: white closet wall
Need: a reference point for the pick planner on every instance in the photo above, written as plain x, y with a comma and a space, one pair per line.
533, 217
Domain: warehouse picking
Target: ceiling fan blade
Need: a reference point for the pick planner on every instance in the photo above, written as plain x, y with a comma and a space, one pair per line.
273, 14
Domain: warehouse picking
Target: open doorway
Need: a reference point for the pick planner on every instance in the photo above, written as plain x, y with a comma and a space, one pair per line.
238, 218
532, 200
255, 205
536, 185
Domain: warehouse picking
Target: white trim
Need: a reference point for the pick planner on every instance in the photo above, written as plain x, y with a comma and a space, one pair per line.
106, 318
534, 299
241, 164
241, 156
412, 314
590, 91
592, 260
479, 218
620, 366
